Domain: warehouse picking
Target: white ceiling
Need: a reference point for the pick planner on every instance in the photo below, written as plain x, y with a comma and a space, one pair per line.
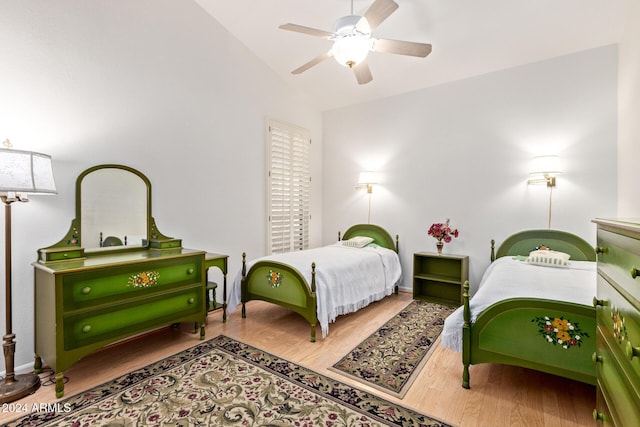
469, 37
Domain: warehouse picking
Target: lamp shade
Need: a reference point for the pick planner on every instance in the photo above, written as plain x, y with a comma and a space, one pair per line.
26, 172
545, 165
367, 178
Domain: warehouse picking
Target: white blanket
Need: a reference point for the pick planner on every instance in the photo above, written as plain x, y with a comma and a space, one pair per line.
347, 278
507, 277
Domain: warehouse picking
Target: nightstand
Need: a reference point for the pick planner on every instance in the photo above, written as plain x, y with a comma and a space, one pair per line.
439, 278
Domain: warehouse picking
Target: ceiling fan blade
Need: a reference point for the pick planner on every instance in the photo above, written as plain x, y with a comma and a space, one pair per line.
400, 47
307, 30
315, 61
377, 12
363, 73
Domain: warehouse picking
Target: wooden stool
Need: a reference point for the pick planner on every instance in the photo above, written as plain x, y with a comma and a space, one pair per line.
210, 296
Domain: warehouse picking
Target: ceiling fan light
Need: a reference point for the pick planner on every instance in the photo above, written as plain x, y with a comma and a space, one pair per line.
349, 51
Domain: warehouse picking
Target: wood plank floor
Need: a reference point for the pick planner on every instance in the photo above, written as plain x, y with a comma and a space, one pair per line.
499, 395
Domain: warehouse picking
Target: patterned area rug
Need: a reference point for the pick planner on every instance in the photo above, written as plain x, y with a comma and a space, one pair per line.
391, 357
223, 382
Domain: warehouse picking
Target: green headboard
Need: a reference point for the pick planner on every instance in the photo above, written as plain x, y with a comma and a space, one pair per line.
379, 235
528, 240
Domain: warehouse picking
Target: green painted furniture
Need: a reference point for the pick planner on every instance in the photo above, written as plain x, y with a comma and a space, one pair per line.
617, 356
294, 292
90, 297
505, 332
439, 278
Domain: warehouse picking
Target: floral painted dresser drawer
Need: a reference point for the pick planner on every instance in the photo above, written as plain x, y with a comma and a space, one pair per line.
87, 289
617, 356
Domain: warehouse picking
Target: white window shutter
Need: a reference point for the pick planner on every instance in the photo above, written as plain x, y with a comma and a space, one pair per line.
288, 187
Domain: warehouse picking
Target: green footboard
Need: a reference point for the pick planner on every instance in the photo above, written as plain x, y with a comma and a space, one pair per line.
283, 285
549, 336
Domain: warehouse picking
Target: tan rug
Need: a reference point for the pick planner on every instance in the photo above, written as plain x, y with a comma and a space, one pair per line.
390, 358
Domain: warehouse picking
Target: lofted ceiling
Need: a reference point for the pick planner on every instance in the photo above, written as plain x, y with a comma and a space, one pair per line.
469, 38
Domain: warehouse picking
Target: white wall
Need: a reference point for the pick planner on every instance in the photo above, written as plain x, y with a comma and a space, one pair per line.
154, 84
628, 123
463, 150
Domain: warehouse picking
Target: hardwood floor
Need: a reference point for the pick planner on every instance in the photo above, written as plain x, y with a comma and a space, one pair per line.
499, 395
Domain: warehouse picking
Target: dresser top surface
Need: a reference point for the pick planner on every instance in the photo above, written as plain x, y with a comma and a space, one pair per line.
631, 224
98, 260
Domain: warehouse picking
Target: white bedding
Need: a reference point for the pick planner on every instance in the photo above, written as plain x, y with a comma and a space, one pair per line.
347, 278
508, 277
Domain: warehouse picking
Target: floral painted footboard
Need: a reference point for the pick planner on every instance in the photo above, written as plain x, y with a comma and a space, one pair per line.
549, 336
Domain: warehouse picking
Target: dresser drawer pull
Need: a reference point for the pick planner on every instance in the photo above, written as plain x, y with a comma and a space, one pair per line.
634, 272
86, 290
191, 300
601, 250
190, 271
631, 351
86, 328
598, 416
599, 302
596, 358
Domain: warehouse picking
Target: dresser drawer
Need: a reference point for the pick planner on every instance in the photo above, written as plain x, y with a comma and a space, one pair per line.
616, 390
618, 259
601, 414
122, 320
111, 284
619, 323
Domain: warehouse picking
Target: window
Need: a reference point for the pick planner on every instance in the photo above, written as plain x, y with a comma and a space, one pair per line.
288, 187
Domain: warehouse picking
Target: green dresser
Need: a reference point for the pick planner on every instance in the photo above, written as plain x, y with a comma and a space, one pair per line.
84, 304
617, 355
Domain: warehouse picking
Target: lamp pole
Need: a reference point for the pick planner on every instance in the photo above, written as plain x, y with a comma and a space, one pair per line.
14, 386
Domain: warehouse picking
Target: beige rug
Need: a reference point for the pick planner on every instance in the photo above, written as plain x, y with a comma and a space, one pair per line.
390, 358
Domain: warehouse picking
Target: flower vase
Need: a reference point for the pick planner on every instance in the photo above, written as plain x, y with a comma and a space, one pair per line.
439, 245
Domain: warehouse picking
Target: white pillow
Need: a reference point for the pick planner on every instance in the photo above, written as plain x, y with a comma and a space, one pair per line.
549, 258
357, 242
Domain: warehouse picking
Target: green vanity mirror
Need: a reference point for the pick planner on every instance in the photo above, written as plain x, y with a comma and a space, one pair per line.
113, 213
113, 204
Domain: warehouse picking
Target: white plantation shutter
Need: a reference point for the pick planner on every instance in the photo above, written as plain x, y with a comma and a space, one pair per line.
288, 187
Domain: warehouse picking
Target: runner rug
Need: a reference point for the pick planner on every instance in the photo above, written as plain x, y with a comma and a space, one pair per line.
391, 357
223, 382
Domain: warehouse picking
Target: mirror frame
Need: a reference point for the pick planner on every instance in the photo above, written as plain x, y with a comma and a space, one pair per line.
136, 172
70, 246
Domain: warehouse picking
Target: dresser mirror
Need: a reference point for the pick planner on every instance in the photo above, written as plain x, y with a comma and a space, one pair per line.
113, 206
113, 213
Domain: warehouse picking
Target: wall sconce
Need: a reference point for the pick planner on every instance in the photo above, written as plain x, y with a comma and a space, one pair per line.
544, 171
21, 173
366, 180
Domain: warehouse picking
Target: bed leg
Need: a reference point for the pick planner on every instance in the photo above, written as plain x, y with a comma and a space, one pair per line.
244, 311
465, 377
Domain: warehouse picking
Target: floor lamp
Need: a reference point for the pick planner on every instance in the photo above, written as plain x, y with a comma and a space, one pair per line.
21, 173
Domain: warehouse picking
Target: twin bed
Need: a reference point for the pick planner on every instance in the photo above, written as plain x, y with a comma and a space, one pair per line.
323, 283
534, 316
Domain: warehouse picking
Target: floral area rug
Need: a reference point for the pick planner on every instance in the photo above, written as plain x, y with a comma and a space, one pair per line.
391, 357
223, 382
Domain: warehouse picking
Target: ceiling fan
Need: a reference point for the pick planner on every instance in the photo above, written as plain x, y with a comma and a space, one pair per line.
352, 40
